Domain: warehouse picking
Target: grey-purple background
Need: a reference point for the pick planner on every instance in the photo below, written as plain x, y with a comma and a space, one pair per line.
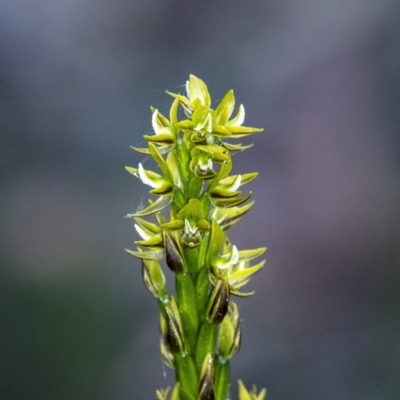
322, 77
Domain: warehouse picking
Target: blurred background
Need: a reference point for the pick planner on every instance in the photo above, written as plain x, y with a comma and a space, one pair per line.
77, 79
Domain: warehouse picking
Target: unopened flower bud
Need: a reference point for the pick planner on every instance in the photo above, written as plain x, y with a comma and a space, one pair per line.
229, 337
206, 389
174, 255
174, 335
218, 302
166, 353
153, 277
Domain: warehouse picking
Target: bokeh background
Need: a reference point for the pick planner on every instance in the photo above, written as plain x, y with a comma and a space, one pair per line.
322, 77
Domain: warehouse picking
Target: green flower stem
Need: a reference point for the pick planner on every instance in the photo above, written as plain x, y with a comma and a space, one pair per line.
202, 289
186, 376
184, 160
187, 305
195, 186
206, 341
192, 261
222, 373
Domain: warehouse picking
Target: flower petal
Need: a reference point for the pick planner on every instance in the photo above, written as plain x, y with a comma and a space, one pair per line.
198, 92
243, 130
161, 138
155, 254
225, 108
236, 147
239, 119
248, 255
154, 207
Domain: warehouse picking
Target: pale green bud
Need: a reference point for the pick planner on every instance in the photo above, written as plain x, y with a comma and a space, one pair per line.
153, 277
218, 302
166, 353
163, 394
252, 394
229, 337
174, 331
174, 255
206, 389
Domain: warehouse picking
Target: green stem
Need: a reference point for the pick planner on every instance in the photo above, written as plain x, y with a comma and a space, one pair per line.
206, 341
221, 379
187, 305
186, 376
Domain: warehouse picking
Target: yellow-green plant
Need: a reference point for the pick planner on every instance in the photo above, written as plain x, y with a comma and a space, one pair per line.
197, 202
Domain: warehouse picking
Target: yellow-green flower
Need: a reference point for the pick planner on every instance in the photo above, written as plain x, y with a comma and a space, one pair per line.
232, 266
252, 395
190, 220
206, 125
165, 132
150, 233
163, 394
203, 157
